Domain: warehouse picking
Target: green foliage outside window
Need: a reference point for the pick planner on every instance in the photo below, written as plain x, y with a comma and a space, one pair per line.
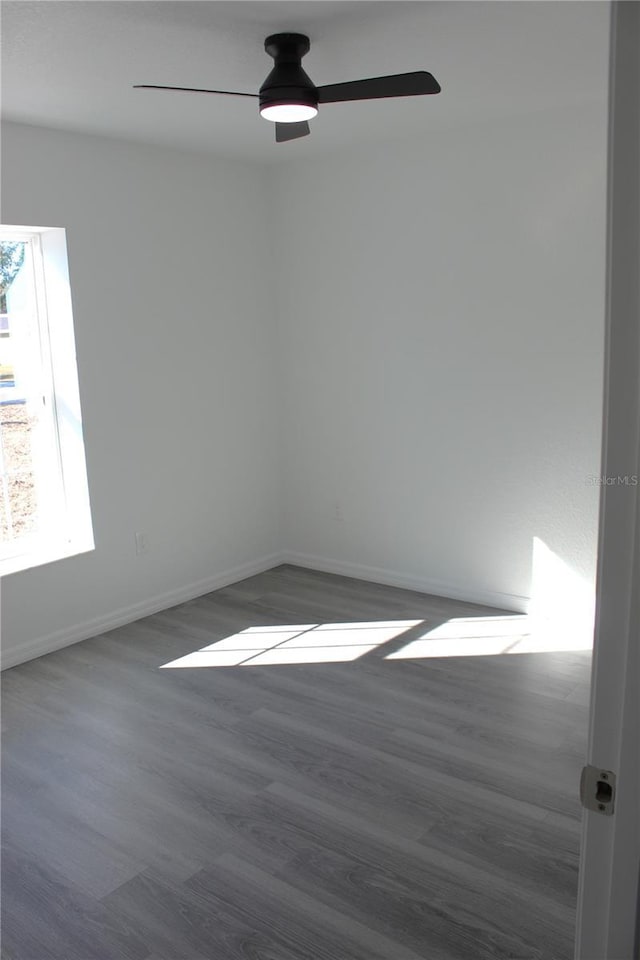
11, 259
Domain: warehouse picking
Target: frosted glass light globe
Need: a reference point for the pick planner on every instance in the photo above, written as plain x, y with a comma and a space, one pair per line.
289, 112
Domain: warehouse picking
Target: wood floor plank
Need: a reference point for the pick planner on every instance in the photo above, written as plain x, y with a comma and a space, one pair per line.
378, 808
62, 842
395, 906
406, 753
406, 782
177, 922
471, 896
322, 931
45, 917
531, 854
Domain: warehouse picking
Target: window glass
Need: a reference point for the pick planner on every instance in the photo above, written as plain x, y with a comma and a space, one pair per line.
18, 515
45, 512
31, 484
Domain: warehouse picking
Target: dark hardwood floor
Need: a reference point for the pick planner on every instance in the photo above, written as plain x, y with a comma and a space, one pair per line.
376, 808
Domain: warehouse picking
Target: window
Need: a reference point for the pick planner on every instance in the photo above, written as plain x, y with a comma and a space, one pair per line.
44, 501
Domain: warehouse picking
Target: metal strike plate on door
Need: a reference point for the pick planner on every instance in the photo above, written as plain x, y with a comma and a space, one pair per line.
598, 790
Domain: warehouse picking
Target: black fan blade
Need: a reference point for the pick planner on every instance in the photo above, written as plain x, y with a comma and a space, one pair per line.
377, 88
229, 93
291, 131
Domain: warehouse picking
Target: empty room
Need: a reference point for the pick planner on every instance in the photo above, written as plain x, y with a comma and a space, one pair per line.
319, 433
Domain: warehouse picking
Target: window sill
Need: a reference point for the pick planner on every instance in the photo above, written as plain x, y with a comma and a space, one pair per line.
37, 555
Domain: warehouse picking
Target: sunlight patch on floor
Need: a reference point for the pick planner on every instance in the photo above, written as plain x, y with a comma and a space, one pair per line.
490, 637
345, 642
299, 643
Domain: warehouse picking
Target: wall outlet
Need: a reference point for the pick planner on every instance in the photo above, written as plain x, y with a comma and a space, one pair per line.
141, 543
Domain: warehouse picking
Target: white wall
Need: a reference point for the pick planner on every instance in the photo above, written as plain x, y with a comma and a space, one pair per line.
441, 308
411, 391
174, 327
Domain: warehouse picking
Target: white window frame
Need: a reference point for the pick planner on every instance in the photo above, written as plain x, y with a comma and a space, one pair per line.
67, 529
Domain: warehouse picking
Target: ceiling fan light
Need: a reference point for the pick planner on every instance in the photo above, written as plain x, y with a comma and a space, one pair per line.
288, 112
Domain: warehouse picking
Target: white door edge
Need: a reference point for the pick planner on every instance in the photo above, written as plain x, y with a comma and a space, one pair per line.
607, 914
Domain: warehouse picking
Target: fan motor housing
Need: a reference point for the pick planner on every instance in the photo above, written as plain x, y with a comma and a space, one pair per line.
287, 82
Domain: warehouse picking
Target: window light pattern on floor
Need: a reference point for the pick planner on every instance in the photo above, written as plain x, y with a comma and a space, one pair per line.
299, 643
344, 642
490, 636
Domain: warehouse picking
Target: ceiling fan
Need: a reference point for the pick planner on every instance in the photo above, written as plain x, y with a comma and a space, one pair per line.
290, 99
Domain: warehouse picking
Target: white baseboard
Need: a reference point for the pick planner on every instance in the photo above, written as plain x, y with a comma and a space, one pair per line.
392, 578
118, 618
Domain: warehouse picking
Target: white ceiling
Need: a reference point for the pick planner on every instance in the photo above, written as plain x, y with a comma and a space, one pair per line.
71, 65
